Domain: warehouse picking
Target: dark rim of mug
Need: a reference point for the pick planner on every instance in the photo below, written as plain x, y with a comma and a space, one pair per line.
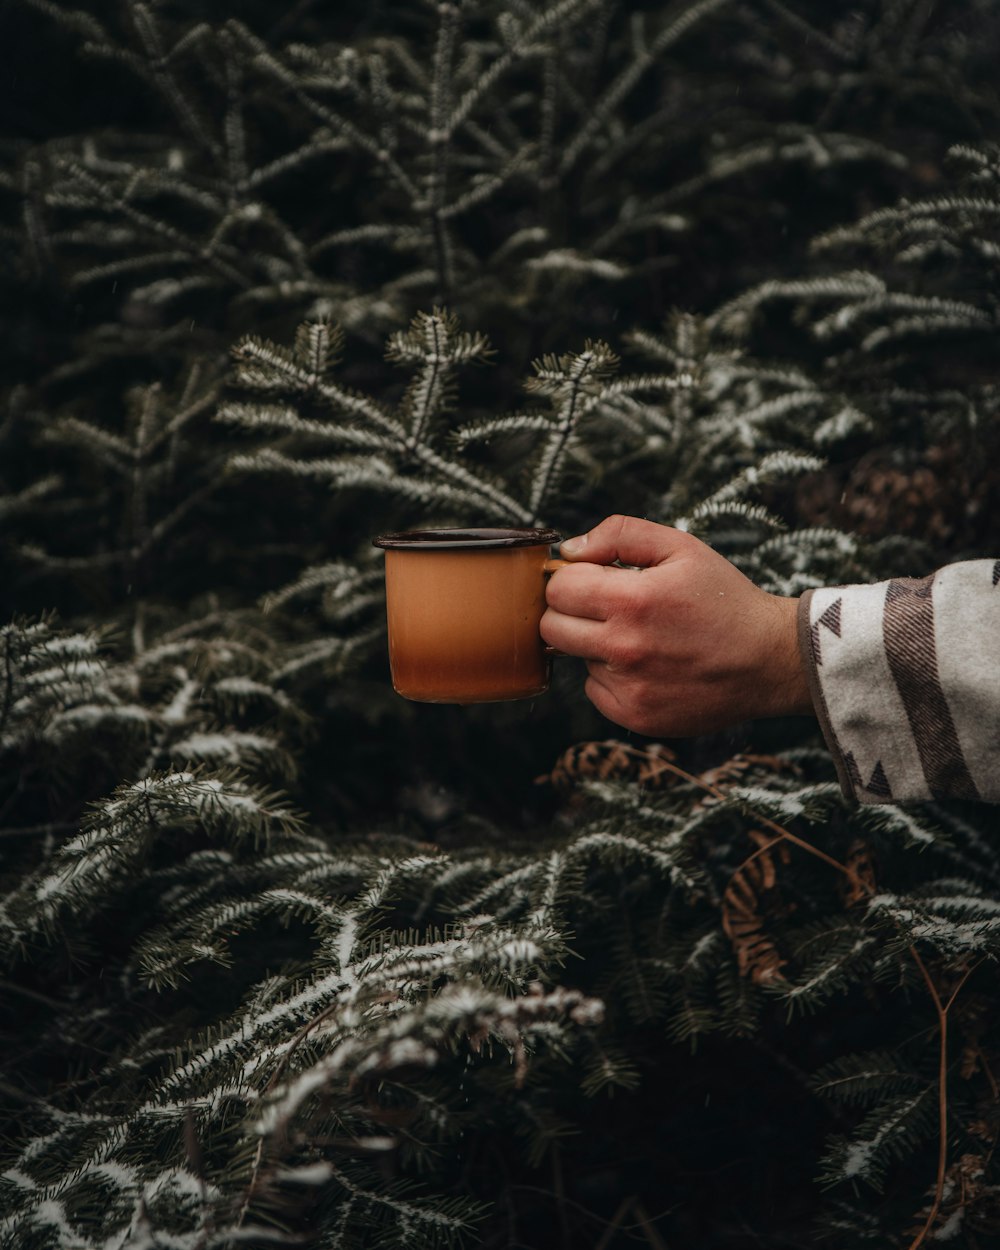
465, 539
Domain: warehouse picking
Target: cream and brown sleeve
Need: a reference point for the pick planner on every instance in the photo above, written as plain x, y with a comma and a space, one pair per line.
905, 680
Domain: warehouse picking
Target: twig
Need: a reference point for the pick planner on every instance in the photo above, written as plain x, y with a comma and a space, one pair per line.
616, 1220
652, 1236
780, 830
942, 1010
942, 1014
27, 831
13, 988
14, 1091
559, 1193
276, 1075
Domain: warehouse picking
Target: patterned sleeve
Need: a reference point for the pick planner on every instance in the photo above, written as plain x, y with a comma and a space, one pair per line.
905, 680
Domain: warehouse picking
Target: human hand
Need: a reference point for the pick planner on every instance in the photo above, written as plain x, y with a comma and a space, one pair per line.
683, 644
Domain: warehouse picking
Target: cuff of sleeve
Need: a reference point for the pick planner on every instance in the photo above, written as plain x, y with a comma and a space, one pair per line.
904, 682
870, 681
810, 663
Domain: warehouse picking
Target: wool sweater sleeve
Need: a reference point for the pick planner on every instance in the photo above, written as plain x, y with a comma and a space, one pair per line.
905, 680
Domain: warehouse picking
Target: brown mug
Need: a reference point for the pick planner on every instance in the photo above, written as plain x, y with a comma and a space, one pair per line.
463, 608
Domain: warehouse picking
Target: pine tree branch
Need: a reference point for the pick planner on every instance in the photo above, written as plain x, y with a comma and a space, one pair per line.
31, 831
319, 146
151, 226
572, 382
612, 97
158, 67
812, 33
557, 15
487, 186
233, 128
339, 124
436, 185
425, 396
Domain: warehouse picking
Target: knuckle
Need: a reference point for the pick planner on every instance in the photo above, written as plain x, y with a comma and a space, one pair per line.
611, 528
641, 600
623, 525
548, 625
563, 584
628, 652
555, 591
633, 631
613, 525
623, 595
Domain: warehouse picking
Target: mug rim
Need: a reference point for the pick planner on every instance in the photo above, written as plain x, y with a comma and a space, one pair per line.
466, 538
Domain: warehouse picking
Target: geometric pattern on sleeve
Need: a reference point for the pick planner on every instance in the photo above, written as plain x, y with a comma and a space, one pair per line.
906, 682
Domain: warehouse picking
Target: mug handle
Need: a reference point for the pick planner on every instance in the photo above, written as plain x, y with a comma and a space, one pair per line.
550, 566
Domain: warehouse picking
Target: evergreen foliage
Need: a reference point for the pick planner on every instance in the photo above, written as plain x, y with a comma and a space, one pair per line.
288, 961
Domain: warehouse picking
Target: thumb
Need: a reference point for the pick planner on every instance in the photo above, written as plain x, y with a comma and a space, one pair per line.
628, 539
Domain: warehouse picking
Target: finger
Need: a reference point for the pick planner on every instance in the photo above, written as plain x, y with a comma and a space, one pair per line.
628, 539
573, 635
585, 590
603, 697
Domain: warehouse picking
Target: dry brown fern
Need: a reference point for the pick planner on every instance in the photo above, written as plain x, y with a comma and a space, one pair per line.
611, 760
734, 769
859, 885
974, 1021
751, 892
652, 766
970, 1202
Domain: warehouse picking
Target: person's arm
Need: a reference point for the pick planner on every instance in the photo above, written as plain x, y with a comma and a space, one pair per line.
904, 676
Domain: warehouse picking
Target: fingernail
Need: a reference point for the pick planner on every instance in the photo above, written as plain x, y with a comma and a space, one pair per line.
573, 546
